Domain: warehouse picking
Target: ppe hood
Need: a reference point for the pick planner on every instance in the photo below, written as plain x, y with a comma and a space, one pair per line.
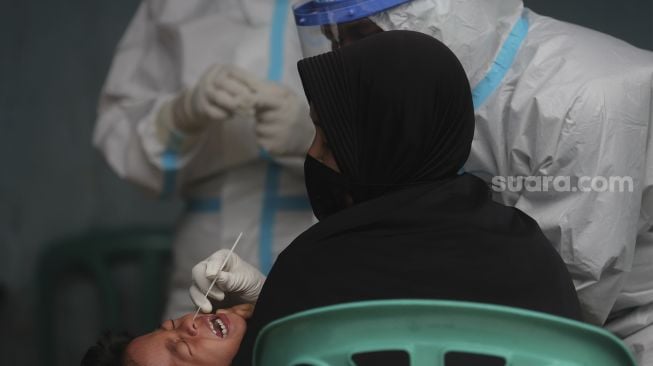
473, 29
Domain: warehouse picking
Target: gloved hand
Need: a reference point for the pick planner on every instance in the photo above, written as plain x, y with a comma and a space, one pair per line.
237, 283
220, 92
283, 124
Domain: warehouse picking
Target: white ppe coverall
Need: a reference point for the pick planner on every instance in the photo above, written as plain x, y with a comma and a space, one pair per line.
554, 99
230, 183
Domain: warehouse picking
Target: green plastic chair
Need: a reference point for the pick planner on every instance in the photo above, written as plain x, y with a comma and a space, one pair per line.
94, 255
428, 330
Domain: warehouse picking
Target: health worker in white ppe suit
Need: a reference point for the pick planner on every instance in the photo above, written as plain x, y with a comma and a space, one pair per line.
202, 102
552, 99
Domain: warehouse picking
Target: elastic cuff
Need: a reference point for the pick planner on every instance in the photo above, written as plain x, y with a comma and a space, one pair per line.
169, 134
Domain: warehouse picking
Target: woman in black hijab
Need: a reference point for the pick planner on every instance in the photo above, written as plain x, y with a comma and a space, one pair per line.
395, 124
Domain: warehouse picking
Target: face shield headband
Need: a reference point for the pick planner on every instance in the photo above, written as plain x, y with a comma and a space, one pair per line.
325, 25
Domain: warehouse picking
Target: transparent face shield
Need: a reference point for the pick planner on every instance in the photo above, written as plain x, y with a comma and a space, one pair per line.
325, 25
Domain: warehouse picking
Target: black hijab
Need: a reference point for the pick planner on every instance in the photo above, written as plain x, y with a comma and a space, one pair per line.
396, 109
397, 113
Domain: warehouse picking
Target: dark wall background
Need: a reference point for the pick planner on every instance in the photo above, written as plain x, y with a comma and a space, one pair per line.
53, 60
630, 20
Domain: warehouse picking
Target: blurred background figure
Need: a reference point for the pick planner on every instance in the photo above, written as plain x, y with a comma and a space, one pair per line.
56, 185
196, 104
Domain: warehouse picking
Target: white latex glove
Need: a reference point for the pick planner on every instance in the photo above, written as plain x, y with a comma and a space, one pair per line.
237, 283
283, 124
221, 92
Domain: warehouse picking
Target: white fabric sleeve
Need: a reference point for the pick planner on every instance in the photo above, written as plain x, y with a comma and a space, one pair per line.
126, 101
604, 134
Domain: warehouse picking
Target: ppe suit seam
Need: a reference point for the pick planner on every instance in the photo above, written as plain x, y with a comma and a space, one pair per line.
502, 63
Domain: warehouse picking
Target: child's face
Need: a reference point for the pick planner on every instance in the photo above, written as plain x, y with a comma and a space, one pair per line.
184, 342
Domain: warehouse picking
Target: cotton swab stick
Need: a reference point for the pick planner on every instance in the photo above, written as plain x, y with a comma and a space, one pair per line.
206, 296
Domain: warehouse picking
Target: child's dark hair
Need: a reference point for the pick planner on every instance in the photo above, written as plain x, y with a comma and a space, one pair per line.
108, 351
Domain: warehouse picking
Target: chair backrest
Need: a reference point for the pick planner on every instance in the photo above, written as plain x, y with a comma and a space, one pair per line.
93, 256
430, 330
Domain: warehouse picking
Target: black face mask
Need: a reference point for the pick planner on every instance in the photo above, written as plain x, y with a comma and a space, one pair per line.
327, 189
